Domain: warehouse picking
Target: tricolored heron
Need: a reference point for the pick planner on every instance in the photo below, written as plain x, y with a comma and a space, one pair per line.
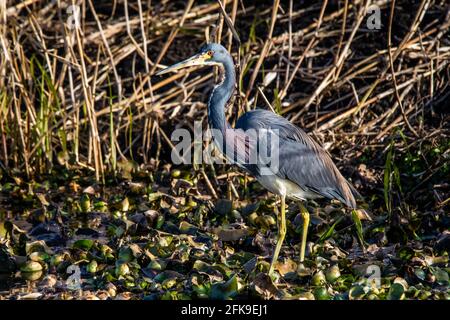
304, 170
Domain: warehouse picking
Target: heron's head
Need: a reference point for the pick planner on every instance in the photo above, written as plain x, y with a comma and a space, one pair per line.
209, 54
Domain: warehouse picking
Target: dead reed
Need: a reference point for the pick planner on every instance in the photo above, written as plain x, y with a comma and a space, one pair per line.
76, 85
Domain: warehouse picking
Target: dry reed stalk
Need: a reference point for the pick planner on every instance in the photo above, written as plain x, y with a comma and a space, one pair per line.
309, 54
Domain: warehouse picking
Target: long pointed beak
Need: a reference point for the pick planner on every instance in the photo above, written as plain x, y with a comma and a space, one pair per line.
195, 60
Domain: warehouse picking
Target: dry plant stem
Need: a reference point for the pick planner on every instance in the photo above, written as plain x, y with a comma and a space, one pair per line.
108, 50
391, 64
369, 126
289, 42
22, 139
265, 50
142, 52
218, 33
66, 100
341, 39
172, 35
417, 19
208, 183
329, 78
233, 19
144, 39
283, 92
364, 101
88, 95
229, 21
265, 99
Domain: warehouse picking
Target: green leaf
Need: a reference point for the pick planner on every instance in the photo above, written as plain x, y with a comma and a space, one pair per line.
224, 290
420, 273
31, 266
321, 293
84, 244
187, 228
441, 276
327, 234
358, 226
406, 253
356, 292
396, 292
125, 254
157, 264
318, 279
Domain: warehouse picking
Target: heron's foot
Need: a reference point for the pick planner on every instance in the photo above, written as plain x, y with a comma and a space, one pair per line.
303, 271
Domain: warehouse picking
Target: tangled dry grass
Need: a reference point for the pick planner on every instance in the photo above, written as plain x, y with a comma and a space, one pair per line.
80, 96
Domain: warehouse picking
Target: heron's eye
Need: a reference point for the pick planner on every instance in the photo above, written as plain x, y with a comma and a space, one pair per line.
210, 53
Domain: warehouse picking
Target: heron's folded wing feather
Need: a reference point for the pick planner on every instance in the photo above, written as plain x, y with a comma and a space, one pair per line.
301, 159
313, 170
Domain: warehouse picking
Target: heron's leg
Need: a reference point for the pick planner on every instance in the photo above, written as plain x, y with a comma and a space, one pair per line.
305, 215
281, 234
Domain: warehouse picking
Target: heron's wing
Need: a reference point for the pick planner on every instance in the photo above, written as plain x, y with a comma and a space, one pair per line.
301, 159
264, 119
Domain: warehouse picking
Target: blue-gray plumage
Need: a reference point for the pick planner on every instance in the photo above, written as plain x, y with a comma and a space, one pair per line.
304, 170
303, 161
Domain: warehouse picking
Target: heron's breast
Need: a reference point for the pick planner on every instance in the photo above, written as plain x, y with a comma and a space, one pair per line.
281, 186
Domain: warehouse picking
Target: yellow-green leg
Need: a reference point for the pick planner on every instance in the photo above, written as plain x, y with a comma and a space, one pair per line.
305, 215
281, 234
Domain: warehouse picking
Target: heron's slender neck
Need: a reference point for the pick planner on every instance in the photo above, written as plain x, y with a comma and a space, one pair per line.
220, 95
